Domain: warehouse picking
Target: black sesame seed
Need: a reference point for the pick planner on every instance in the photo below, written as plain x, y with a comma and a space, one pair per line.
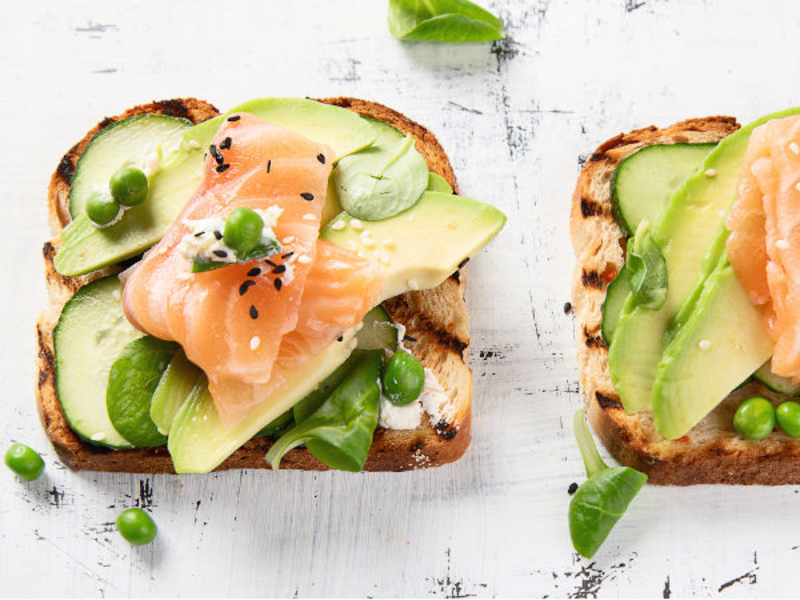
200, 234
409, 338
321, 158
222, 168
212, 149
234, 118
243, 288
463, 262
217, 234
279, 269
221, 253
287, 255
226, 144
269, 166
307, 196
573, 487
340, 338
253, 312
254, 272
567, 307
270, 263
278, 284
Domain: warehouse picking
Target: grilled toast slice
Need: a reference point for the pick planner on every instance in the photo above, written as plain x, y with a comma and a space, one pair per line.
436, 322
712, 452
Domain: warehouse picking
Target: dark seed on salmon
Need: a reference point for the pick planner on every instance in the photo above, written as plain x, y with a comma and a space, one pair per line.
253, 312
226, 144
243, 288
221, 253
321, 158
279, 269
234, 118
307, 196
254, 272
269, 166
278, 283
217, 234
223, 168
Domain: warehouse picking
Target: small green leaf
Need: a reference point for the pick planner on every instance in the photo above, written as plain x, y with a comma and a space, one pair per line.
339, 433
263, 250
381, 181
646, 269
443, 21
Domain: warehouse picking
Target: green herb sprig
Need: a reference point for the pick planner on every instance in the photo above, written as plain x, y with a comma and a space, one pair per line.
443, 21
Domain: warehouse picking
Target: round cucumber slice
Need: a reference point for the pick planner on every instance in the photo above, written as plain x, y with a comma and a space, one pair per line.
782, 385
130, 140
132, 381
378, 332
90, 334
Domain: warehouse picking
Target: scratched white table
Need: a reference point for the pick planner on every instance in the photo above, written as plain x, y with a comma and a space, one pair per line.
517, 118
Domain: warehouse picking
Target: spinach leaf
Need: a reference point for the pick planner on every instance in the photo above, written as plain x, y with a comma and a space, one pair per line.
646, 269
381, 181
443, 21
339, 433
603, 498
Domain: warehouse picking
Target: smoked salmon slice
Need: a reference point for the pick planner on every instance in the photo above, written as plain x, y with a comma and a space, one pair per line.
764, 245
246, 324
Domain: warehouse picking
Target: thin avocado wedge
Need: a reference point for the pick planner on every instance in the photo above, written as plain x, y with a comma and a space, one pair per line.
173, 388
133, 378
437, 183
341, 129
719, 346
90, 334
424, 245
645, 181
688, 227
85, 248
131, 139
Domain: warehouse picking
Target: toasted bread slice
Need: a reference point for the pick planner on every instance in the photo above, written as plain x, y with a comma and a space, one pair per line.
436, 322
712, 452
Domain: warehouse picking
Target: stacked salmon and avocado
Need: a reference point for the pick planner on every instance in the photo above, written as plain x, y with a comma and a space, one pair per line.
249, 256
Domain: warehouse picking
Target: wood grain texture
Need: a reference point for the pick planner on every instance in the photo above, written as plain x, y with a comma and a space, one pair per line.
517, 118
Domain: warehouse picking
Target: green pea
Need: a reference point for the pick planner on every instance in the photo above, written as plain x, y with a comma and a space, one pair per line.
403, 378
137, 526
129, 186
788, 416
243, 230
101, 208
24, 461
755, 418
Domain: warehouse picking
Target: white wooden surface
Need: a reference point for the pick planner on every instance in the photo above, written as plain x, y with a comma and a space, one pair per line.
516, 118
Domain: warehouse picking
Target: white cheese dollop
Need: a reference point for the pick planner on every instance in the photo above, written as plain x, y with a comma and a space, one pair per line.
433, 402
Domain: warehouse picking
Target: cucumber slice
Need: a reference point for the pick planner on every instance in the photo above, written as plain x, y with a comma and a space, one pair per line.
131, 139
90, 334
173, 388
132, 380
616, 293
782, 385
378, 332
645, 181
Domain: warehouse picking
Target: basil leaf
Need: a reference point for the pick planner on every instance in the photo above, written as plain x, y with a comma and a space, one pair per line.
339, 433
443, 21
646, 269
381, 181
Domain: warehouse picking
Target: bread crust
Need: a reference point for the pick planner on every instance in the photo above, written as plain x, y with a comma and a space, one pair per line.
712, 452
436, 322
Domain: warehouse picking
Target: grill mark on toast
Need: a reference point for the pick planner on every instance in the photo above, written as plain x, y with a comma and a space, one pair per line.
173, 108
105, 123
591, 279
593, 341
607, 402
445, 430
47, 357
590, 208
66, 169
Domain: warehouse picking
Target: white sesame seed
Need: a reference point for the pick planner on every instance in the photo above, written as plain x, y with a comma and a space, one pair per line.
337, 225
255, 342
782, 244
794, 147
711, 173
98, 437
366, 238
288, 239
309, 217
356, 224
704, 344
797, 186
304, 259
194, 144
413, 285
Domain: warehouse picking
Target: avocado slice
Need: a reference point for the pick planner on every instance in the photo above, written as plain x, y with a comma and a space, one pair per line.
717, 348
418, 249
341, 129
685, 235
